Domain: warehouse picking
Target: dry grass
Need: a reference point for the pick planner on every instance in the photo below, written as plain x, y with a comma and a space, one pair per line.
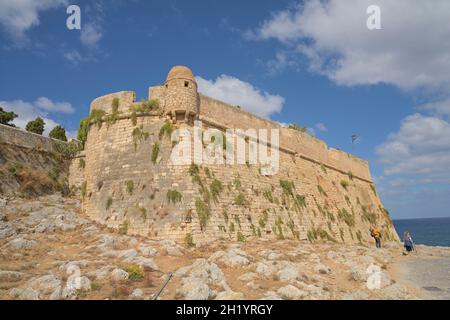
35, 183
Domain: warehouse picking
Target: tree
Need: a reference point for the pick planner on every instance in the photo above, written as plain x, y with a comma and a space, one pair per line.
59, 133
7, 117
36, 126
83, 131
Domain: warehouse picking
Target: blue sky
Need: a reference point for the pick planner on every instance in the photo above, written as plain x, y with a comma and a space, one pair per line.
309, 62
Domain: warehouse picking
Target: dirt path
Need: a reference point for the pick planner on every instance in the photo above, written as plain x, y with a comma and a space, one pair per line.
428, 275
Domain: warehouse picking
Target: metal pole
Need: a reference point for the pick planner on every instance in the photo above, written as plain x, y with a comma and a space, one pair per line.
169, 277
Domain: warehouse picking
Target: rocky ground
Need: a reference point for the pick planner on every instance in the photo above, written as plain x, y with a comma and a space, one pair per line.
49, 250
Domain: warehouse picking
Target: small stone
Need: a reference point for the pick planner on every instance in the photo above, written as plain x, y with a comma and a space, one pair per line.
119, 274
193, 289
290, 292
21, 243
229, 295
137, 294
148, 251
249, 276
127, 254
45, 284
288, 273
11, 276
322, 269
232, 258
24, 294
357, 295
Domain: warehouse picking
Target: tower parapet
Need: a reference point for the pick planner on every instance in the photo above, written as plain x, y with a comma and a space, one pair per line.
181, 98
126, 99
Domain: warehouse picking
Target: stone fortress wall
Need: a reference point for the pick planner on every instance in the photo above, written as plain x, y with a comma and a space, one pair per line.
127, 184
18, 137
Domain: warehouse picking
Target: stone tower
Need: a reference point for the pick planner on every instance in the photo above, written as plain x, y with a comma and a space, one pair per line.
181, 99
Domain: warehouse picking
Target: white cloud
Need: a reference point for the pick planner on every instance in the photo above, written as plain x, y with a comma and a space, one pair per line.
438, 108
321, 127
237, 92
18, 16
73, 57
90, 34
421, 147
47, 104
28, 111
410, 51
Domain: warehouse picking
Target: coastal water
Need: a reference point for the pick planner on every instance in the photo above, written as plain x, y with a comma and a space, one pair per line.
429, 231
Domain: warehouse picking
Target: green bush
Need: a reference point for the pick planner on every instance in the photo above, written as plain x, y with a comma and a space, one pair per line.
166, 130
216, 188
300, 201
189, 240
109, 203
139, 135
268, 195
96, 117
321, 191
296, 127
145, 106
83, 131
115, 105
350, 175
123, 228
133, 118
347, 199
240, 237
143, 213
348, 218
325, 236
130, 186
155, 152
135, 272
240, 199
58, 133
371, 217
173, 196
225, 215
203, 212
288, 187
344, 184
193, 170
81, 163
15, 169
207, 172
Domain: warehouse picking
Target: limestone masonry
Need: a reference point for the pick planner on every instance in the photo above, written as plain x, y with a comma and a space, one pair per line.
127, 181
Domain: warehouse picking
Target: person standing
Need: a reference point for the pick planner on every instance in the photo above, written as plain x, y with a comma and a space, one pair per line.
375, 233
408, 242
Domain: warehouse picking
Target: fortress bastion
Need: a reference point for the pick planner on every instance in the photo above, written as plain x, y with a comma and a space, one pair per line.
129, 182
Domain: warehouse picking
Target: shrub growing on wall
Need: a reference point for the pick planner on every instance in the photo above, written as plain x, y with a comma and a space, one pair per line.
83, 131
173, 196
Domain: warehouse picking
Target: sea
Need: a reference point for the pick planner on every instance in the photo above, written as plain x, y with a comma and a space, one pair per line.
429, 231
